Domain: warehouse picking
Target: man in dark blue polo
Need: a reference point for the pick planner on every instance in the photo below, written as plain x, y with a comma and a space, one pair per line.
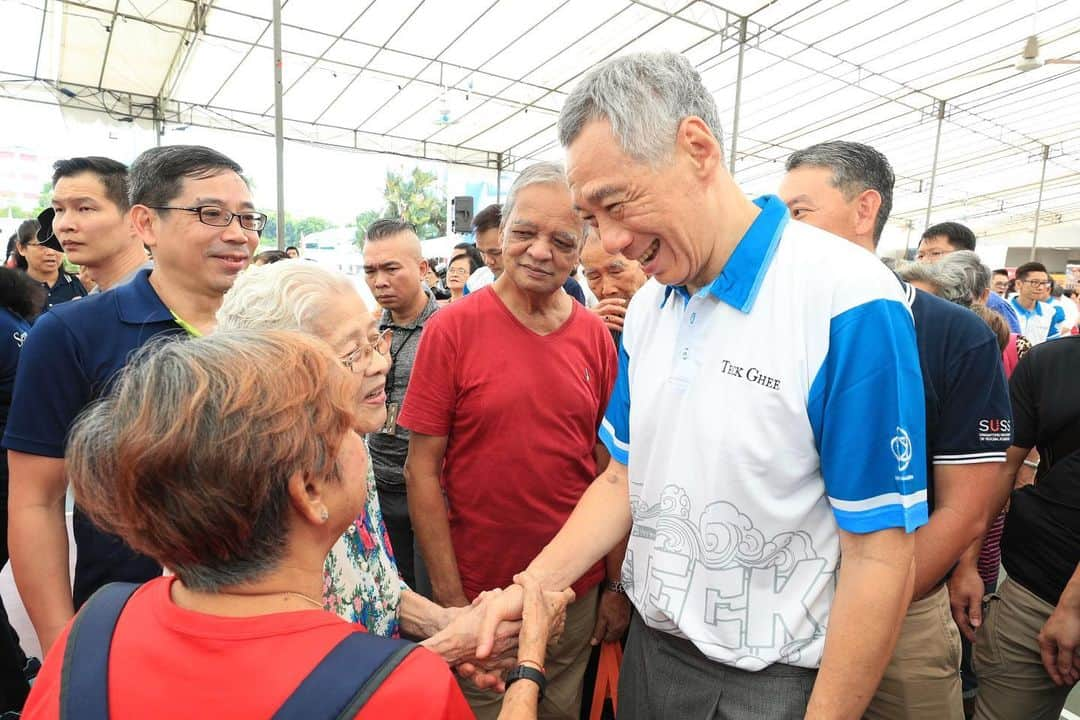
192, 207
846, 188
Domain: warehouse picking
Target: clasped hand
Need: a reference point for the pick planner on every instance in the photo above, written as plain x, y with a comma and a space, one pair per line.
501, 626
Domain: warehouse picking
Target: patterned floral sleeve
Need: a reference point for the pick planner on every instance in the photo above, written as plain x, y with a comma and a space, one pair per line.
360, 577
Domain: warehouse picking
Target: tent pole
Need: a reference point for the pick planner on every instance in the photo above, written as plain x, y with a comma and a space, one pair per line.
933, 169
1038, 205
279, 129
498, 177
738, 96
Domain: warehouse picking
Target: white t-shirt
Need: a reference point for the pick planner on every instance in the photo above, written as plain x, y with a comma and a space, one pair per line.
756, 417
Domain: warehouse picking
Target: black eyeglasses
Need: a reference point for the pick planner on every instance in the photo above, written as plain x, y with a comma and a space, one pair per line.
219, 217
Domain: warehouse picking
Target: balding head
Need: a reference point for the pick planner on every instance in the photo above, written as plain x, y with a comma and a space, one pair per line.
608, 275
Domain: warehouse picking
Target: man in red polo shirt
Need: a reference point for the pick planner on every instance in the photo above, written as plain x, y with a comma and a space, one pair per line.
507, 392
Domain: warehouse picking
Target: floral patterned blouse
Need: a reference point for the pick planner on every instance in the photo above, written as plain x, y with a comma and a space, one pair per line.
360, 577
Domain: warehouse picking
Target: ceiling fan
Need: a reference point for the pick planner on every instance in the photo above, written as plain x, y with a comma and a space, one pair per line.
1030, 59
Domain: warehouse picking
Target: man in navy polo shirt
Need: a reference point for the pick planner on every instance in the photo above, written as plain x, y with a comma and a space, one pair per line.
193, 208
89, 216
846, 188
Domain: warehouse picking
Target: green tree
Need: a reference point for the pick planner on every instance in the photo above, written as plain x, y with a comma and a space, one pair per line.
363, 222
416, 199
413, 197
295, 229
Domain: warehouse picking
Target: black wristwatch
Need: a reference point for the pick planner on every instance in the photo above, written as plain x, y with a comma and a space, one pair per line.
615, 586
524, 672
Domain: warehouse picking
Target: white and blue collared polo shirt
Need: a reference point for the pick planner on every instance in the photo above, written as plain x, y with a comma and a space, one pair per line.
1041, 322
758, 416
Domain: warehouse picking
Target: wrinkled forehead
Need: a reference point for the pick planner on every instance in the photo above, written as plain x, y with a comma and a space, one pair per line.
595, 258
545, 206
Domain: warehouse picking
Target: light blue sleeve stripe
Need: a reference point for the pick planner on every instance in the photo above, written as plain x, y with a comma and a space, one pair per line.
909, 518
867, 412
615, 427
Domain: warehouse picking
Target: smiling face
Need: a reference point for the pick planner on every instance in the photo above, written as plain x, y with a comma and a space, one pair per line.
205, 259
541, 239
351, 330
610, 276
649, 214
88, 224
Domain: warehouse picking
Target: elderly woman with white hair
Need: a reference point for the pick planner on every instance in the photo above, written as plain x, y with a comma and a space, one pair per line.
361, 581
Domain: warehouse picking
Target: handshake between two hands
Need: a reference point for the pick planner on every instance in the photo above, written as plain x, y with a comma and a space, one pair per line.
501, 628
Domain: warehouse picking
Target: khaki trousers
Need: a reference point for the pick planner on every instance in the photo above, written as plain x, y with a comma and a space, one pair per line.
922, 680
564, 667
1012, 680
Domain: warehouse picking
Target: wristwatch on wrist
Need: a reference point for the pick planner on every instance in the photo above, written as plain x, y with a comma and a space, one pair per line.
615, 586
524, 672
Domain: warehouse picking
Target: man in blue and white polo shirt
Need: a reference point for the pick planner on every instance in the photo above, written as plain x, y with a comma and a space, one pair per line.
768, 417
846, 188
1039, 319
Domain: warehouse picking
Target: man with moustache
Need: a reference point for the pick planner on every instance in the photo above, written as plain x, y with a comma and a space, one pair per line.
507, 393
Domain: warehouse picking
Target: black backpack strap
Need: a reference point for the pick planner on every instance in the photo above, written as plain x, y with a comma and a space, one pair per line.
345, 679
84, 677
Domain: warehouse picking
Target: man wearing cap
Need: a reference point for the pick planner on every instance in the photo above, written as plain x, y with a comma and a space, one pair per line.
193, 208
89, 216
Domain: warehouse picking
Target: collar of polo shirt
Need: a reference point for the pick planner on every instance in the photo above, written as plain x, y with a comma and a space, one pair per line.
738, 283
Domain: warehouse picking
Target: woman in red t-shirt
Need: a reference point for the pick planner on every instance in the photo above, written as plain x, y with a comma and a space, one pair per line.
239, 483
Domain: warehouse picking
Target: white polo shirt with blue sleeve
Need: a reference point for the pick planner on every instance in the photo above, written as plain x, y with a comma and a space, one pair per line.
758, 416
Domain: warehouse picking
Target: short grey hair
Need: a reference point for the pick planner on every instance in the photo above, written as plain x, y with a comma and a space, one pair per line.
541, 173
855, 168
962, 277
913, 272
291, 295
644, 96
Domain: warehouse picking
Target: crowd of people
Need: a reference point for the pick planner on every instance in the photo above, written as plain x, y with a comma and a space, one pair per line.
782, 472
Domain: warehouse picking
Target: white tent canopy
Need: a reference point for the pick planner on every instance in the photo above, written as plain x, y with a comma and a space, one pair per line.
480, 83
